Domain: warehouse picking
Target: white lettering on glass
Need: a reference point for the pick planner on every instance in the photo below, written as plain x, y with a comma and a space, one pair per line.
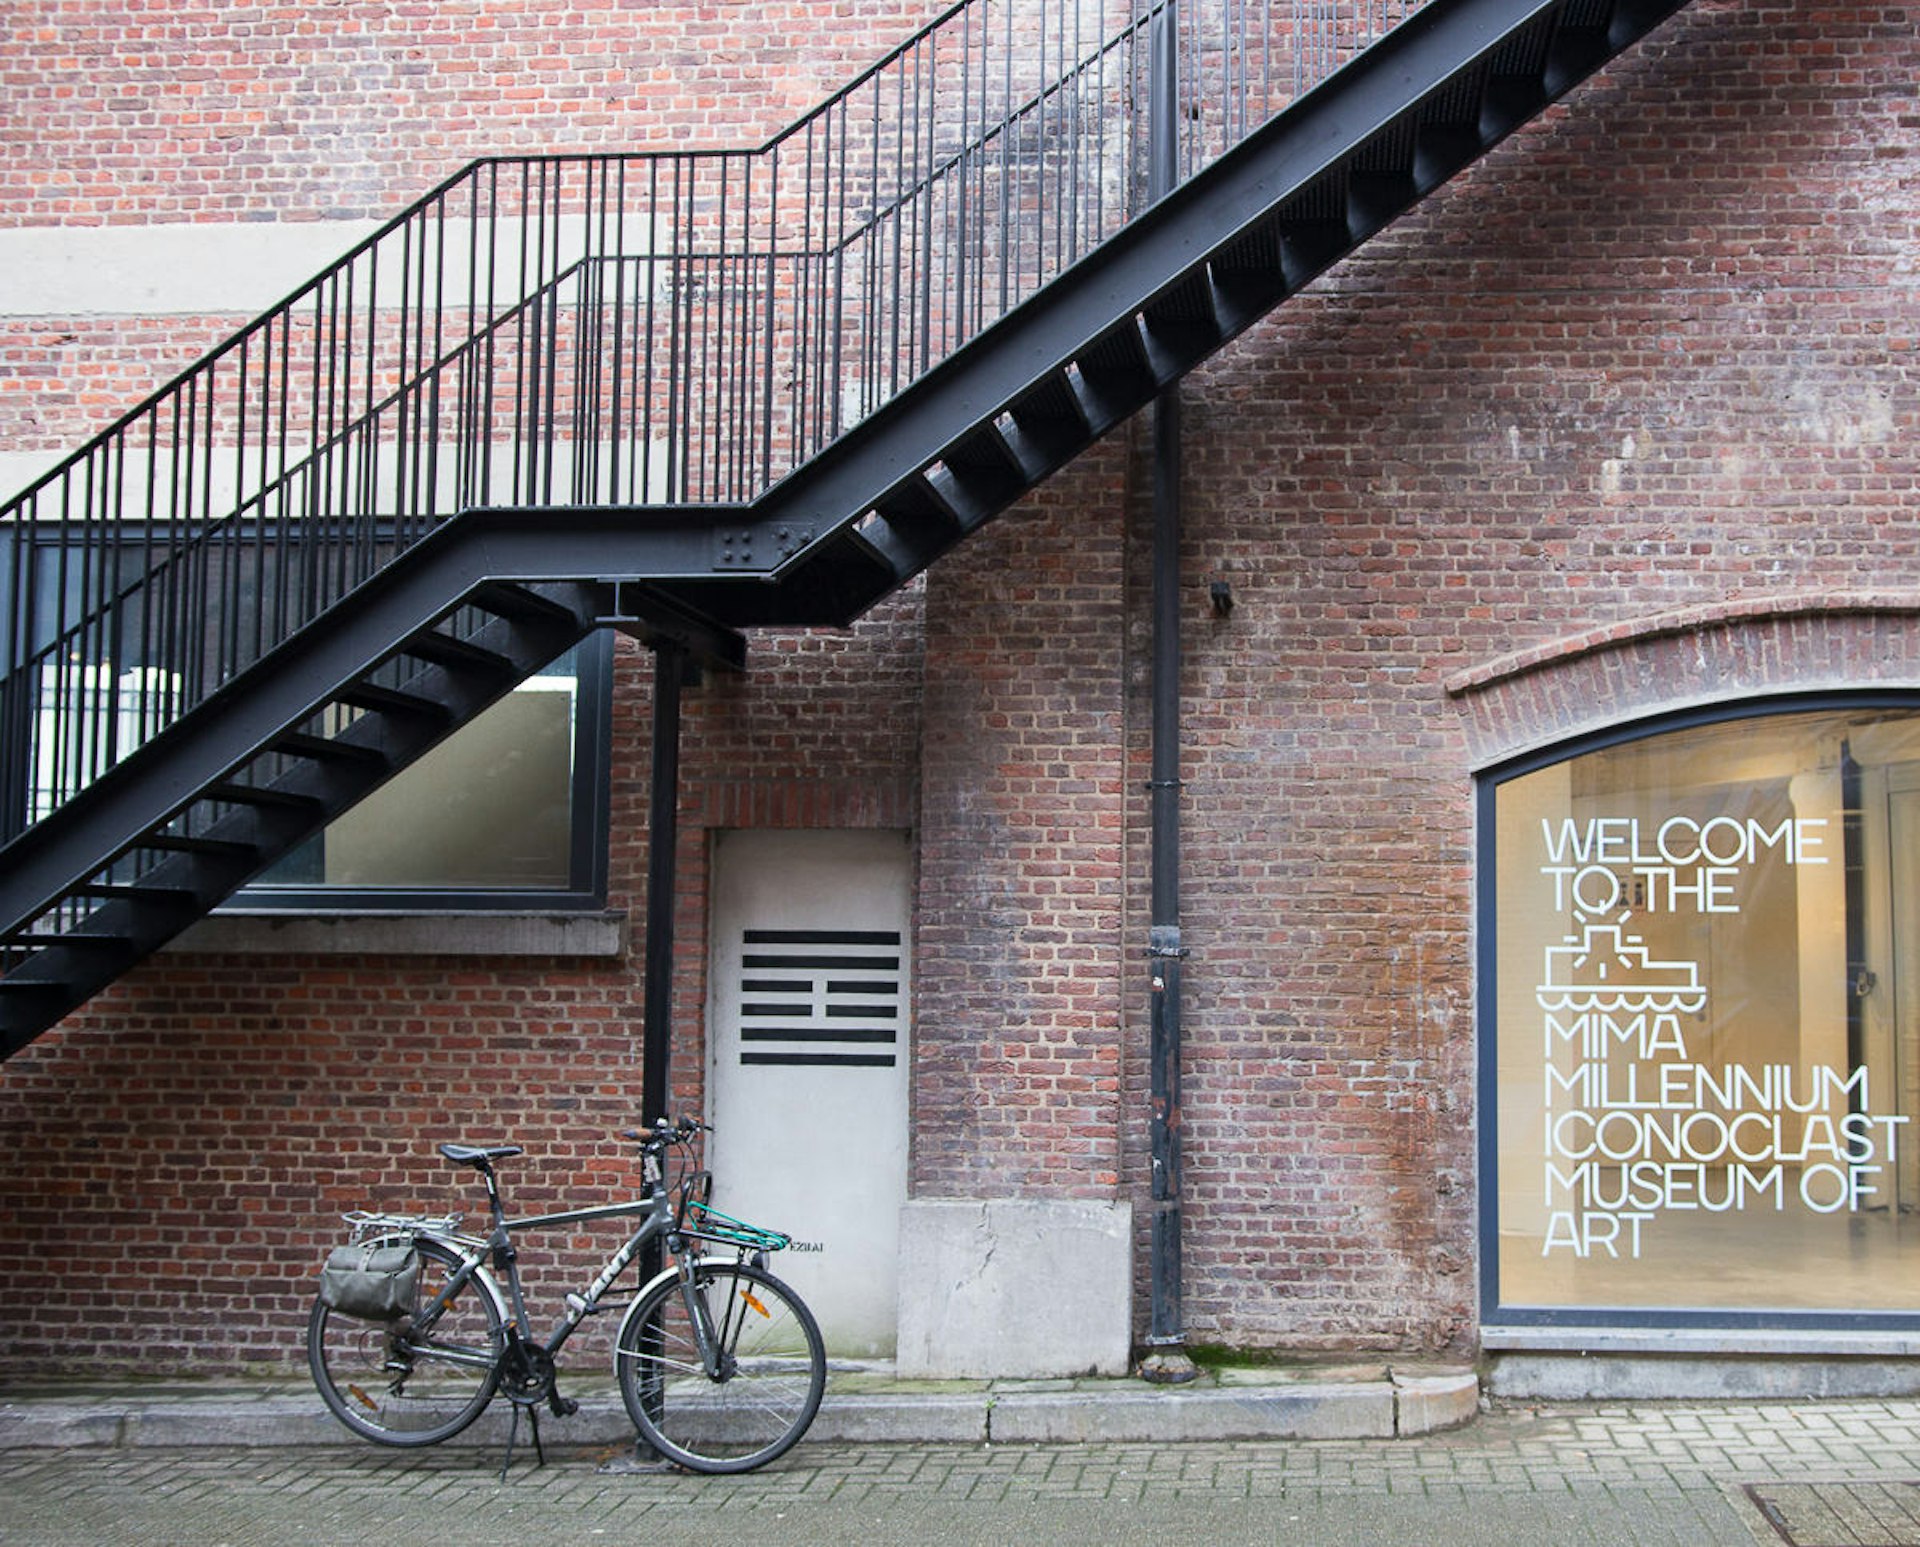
1637, 1127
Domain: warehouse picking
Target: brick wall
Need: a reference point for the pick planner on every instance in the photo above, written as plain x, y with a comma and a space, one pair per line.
1620, 421
187, 111
184, 1146
204, 1122
1022, 851
1624, 419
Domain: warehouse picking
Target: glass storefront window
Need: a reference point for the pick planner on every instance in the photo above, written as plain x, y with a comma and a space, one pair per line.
1703, 1055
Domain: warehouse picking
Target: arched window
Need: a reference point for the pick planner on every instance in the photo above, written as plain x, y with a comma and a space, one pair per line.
1700, 1019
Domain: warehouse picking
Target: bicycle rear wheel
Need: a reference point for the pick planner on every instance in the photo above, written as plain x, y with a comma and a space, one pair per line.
396, 1388
773, 1369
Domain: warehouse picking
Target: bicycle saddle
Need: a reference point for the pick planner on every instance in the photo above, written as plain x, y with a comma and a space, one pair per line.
478, 1154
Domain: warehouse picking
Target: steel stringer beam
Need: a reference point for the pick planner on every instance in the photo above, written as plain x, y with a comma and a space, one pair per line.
298, 677
1448, 48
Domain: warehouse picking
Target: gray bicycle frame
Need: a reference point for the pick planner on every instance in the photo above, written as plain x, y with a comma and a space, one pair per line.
657, 1206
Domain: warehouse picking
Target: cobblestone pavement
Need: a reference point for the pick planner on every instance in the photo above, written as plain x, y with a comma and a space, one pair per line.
1697, 1475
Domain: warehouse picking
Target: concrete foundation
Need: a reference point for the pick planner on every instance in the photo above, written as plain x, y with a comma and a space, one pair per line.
1601, 1364
1015, 1287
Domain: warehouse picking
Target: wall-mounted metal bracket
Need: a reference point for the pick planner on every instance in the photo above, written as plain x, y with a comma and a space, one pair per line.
641, 612
1163, 944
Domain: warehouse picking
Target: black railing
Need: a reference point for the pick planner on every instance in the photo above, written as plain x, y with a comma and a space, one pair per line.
627, 330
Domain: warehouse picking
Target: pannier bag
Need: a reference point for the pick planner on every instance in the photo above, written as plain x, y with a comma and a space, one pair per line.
374, 1282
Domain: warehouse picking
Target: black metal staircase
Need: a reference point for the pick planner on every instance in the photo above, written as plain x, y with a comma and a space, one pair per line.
450, 457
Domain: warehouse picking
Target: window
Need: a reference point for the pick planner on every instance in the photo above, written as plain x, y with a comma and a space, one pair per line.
508, 812
1701, 1022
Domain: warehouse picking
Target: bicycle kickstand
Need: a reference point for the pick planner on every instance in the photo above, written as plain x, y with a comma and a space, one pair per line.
533, 1420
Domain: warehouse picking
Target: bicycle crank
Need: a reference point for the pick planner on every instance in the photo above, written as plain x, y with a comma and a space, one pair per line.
527, 1375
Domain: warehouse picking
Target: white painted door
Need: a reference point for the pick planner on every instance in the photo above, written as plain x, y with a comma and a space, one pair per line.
808, 1018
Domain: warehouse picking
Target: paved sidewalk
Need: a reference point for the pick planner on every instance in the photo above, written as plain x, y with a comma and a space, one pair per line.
1815, 1474
865, 1402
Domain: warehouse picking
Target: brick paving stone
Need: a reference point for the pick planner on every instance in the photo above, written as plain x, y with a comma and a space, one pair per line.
1632, 1475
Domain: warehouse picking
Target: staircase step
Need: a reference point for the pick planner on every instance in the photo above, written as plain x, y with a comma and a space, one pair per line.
213, 848
520, 602
1116, 373
235, 794
328, 749
917, 503
1376, 199
987, 451
1574, 52
1054, 420
1052, 402
77, 939
27, 1002
16, 989
135, 892
1184, 311
375, 699
437, 649
1441, 150
922, 523
1309, 246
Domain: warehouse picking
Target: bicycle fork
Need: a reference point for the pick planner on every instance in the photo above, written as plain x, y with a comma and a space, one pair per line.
719, 1340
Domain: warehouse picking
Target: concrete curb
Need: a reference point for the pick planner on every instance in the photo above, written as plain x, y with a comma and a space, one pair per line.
1241, 1405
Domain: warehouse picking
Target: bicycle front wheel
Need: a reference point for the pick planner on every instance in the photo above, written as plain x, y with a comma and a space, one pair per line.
395, 1386
772, 1369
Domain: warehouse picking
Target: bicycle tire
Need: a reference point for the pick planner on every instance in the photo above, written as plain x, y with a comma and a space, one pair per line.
395, 1389
776, 1370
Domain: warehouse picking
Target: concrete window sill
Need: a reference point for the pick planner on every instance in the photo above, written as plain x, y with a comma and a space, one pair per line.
369, 932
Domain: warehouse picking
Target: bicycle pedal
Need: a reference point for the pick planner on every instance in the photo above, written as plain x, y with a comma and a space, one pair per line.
563, 1407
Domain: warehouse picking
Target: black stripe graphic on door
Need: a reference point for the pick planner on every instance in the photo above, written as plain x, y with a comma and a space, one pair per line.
820, 997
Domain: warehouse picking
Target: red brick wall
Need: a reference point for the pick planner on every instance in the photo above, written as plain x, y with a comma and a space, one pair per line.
188, 111
182, 1149
1607, 427
1019, 954
185, 112
1655, 354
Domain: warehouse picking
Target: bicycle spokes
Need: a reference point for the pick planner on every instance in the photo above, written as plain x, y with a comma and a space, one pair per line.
722, 1373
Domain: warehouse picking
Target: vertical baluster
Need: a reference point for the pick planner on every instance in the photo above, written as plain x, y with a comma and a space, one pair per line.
651, 277
548, 241
674, 290
522, 431
487, 429
768, 332
798, 432
737, 271
618, 257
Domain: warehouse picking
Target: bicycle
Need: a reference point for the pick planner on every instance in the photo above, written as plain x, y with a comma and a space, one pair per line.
720, 1364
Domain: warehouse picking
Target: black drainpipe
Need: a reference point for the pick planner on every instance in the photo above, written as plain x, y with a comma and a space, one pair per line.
663, 841
1166, 1359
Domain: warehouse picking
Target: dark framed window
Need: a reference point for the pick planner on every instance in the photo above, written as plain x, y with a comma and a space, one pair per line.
509, 812
1699, 1012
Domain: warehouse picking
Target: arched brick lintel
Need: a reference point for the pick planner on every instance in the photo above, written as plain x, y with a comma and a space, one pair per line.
1748, 647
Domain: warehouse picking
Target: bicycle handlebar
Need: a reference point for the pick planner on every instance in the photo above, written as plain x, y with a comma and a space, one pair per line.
665, 1131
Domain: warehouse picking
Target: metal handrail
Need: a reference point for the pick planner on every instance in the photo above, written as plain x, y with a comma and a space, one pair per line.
623, 329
